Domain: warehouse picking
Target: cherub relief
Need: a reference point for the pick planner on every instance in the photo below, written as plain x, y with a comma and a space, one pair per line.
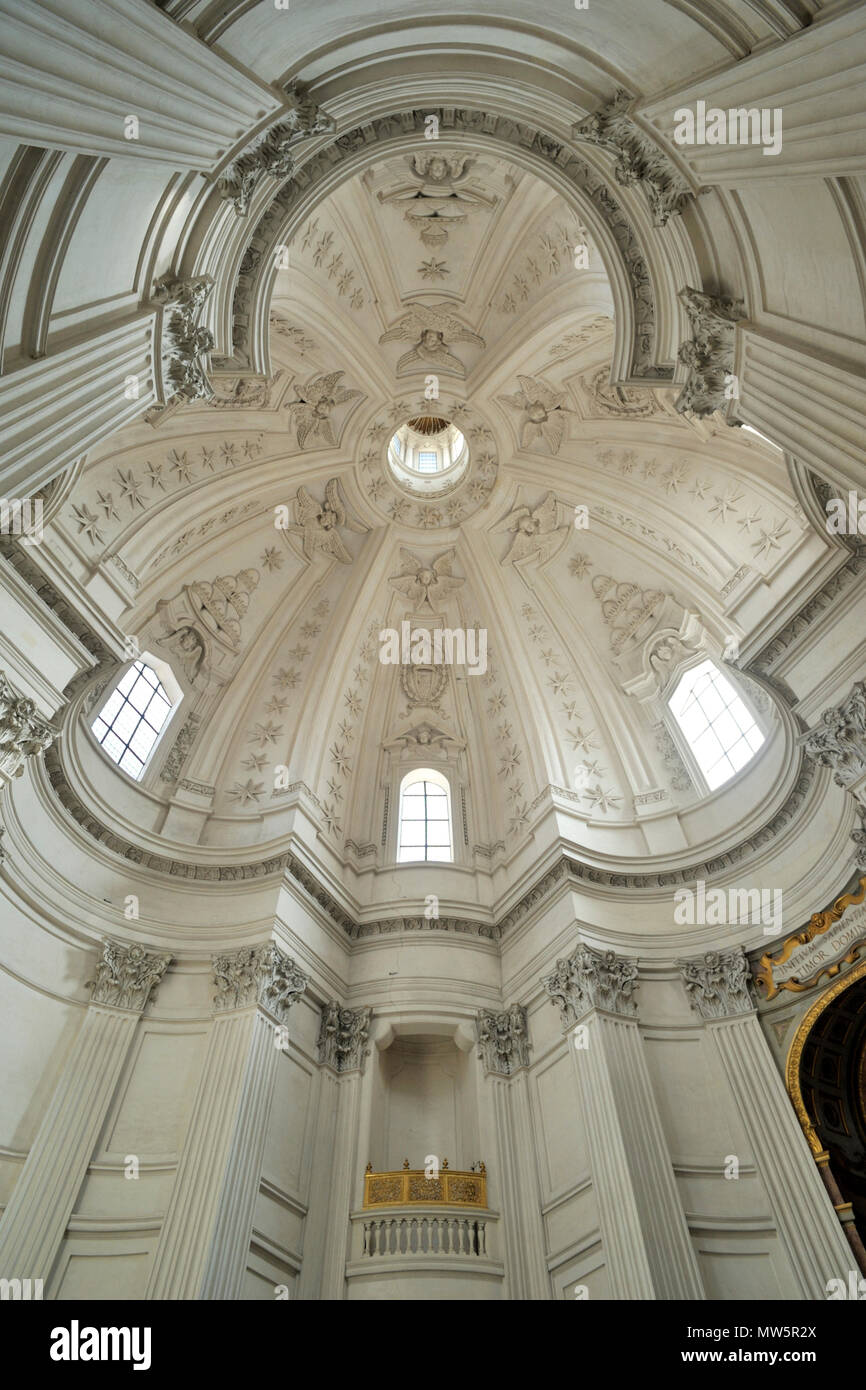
430, 326
536, 533
319, 523
425, 583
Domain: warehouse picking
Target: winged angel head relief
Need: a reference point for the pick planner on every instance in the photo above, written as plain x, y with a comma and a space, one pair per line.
429, 328
314, 407
423, 582
319, 523
535, 532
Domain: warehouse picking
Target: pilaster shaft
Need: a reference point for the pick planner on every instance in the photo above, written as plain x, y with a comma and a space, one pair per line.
646, 1240
42, 1200
205, 1235
805, 1220
74, 72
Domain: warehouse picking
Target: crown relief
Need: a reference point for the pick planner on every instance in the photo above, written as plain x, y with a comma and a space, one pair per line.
201, 626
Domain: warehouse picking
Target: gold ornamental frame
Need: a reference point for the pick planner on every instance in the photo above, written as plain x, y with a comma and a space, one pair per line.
409, 1187
819, 923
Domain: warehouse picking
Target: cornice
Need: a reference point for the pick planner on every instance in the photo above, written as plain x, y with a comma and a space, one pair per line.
568, 871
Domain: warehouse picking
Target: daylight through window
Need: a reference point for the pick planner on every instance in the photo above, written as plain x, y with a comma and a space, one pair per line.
132, 718
425, 818
718, 727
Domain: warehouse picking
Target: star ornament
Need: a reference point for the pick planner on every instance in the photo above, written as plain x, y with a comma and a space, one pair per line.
543, 412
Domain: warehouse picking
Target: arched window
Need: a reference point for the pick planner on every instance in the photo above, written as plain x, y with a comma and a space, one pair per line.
425, 818
721, 733
133, 717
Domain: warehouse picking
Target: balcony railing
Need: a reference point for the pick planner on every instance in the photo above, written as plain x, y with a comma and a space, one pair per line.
430, 1234
411, 1187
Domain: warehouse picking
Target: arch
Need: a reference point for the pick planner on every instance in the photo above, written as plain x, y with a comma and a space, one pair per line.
644, 281
795, 1056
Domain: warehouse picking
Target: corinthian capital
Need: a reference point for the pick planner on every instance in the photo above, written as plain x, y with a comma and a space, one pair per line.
639, 158
273, 153
23, 732
503, 1040
839, 740
262, 975
589, 980
709, 353
127, 976
183, 341
718, 984
343, 1037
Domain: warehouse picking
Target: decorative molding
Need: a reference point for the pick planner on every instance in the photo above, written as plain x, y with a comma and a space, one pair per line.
763, 663
678, 773
503, 1040
709, 353
343, 1037
273, 154
127, 976
200, 788
639, 159
588, 980
464, 926
718, 984
262, 975
180, 750
23, 732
